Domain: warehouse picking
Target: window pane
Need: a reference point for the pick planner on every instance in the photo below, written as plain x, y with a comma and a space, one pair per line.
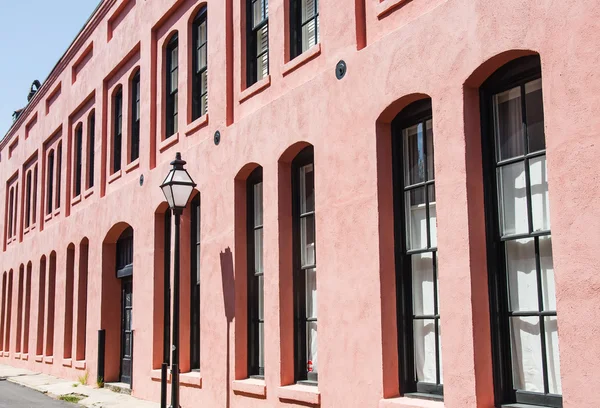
261, 298
307, 189
261, 344
202, 33
522, 276
534, 107
197, 264
540, 202
308, 35
204, 104
424, 349
201, 55
258, 251
174, 79
552, 355
512, 199
311, 293
311, 347
258, 204
307, 8
508, 119
429, 135
422, 284
526, 349
432, 217
416, 219
414, 155
174, 56
307, 240
439, 323
259, 11
546, 264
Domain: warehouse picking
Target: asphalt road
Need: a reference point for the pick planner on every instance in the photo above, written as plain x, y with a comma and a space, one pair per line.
16, 396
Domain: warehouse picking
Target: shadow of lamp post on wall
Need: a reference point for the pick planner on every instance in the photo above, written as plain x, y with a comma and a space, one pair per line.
177, 188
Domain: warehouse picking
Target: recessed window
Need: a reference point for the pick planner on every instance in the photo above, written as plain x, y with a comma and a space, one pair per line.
419, 331
304, 25
50, 182
135, 117
78, 158
34, 205
11, 206
305, 270
256, 319
58, 173
195, 284
117, 128
172, 80
520, 261
200, 65
28, 198
257, 40
90, 148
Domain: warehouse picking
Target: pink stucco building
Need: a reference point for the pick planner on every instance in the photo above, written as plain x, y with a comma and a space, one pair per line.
439, 158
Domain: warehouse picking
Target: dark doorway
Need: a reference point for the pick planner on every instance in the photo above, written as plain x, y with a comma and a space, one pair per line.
125, 274
126, 332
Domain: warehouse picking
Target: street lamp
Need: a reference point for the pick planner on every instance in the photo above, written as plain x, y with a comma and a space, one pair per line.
177, 188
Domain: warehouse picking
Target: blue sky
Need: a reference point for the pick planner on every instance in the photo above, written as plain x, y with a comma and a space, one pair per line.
34, 34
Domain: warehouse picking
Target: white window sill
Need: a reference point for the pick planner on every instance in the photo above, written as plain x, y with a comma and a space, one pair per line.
250, 386
407, 402
307, 394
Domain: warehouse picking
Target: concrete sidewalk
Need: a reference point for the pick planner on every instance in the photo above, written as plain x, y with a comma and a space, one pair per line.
56, 387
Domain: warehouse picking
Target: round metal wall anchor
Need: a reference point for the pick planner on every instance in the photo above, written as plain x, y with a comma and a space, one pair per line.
217, 137
340, 69
141, 180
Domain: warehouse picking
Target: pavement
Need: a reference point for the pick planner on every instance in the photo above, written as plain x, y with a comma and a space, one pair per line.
56, 387
17, 396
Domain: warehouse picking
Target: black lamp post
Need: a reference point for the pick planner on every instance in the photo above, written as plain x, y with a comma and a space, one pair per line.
177, 188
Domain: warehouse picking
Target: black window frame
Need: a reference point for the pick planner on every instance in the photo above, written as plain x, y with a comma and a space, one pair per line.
35, 183
117, 101
198, 92
91, 146
254, 320
252, 31
50, 183
418, 112
124, 254
301, 374
58, 173
195, 283
135, 84
78, 158
171, 89
296, 25
513, 74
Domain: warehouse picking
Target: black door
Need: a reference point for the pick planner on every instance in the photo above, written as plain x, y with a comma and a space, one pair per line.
126, 332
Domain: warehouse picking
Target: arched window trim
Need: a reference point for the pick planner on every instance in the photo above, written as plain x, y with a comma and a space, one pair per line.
517, 74
200, 64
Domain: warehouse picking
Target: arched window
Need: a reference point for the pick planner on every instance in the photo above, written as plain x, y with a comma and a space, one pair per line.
520, 264
305, 266
69, 292
78, 158
39, 350
125, 254
171, 91
27, 314
256, 319
419, 331
3, 311
51, 305
135, 117
257, 40
82, 292
195, 284
91, 146
304, 25
20, 287
50, 182
35, 179
9, 292
117, 128
199, 65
